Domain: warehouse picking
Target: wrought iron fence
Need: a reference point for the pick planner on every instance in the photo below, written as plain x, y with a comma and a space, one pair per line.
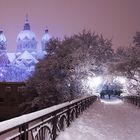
132, 99
45, 124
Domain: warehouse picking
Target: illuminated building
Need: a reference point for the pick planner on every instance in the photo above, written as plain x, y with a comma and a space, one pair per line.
18, 66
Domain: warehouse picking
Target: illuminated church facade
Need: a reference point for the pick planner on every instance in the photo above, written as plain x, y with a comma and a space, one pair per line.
20, 65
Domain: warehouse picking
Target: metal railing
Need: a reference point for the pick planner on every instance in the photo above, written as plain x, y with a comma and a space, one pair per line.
45, 124
132, 99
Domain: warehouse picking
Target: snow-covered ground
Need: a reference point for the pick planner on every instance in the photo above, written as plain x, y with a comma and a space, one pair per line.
105, 120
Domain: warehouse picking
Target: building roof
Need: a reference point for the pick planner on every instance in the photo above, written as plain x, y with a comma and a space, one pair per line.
11, 56
28, 57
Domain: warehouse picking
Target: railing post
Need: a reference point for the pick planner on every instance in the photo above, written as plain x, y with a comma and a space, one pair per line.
68, 114
54, 128
76, 110
23, 130
138, 101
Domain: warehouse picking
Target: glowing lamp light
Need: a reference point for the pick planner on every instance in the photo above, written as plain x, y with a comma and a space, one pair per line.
94, 82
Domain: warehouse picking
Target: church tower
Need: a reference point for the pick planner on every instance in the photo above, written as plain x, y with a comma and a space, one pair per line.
3, 52
2, 42
26, 40
45, 39
26, 55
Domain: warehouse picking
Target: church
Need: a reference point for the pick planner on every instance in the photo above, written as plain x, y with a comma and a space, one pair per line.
18, 66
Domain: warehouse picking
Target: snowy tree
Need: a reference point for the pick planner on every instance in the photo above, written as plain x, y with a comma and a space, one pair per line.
58, 76
120, 53
136, 39
53, 44
128, 65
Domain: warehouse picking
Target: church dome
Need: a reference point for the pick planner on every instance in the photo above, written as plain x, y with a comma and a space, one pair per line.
26, 34
26, 39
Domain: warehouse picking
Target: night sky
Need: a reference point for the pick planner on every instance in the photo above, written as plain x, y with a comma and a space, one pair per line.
117, 19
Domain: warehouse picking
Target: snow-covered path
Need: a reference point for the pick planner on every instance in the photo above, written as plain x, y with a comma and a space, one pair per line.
105, 120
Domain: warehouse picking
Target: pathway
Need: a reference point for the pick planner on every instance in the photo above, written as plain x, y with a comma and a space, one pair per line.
105, 120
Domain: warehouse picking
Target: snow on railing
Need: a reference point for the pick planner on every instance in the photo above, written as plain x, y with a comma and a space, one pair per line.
132, 99
44, 124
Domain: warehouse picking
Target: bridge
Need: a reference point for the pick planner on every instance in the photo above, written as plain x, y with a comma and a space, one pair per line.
103, 119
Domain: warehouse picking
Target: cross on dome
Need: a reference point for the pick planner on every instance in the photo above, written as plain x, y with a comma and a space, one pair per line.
26, 18
26, 25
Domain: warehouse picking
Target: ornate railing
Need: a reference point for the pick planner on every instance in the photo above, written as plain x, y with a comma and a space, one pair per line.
132, 99
44, 124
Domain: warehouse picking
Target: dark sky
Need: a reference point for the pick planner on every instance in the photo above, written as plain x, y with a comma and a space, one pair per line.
119, 19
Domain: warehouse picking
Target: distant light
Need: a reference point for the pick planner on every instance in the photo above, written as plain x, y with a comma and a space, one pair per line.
94, 82
68, 85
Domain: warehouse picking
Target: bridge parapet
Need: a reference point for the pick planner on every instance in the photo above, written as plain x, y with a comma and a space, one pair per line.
132, 99
45, 124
